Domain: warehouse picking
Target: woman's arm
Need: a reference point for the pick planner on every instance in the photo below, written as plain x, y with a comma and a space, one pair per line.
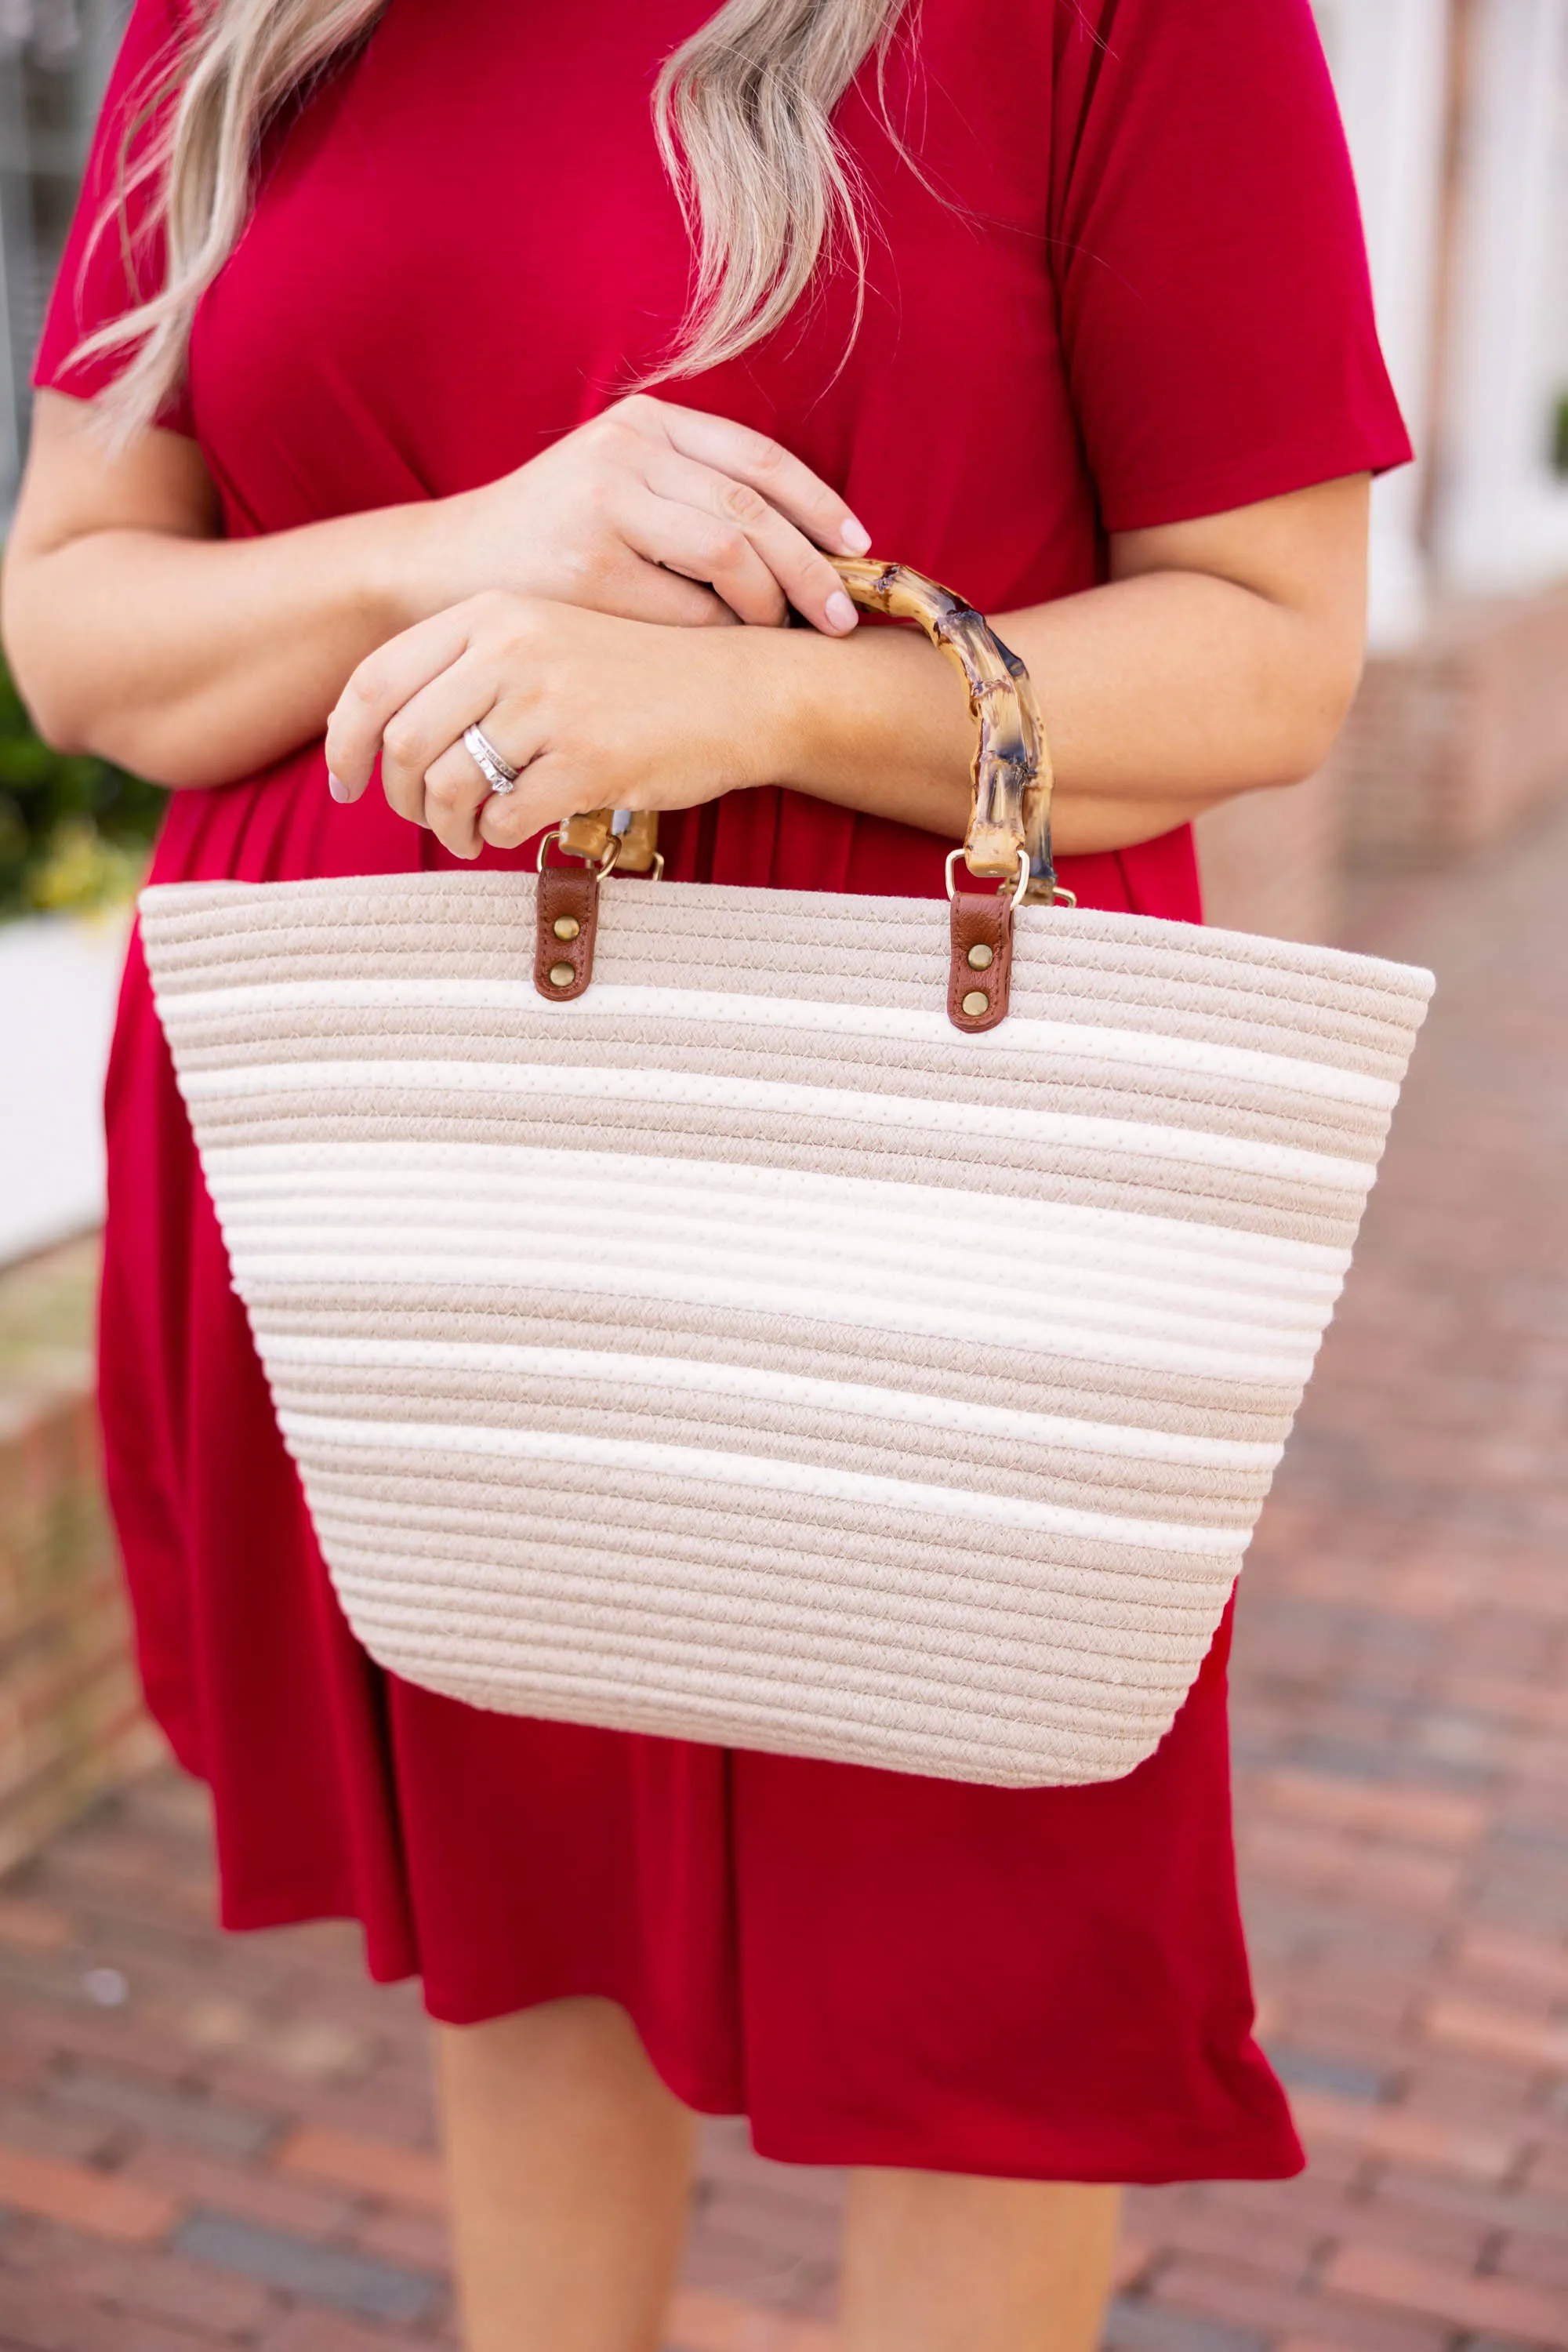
1222, 656
136, 632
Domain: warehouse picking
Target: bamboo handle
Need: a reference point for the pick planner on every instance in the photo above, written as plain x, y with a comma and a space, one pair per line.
591, 833
1011, 812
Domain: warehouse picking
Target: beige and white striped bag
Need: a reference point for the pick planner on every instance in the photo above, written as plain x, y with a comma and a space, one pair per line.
840, 1325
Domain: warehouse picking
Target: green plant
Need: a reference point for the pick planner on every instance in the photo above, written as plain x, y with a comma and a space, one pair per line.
1559, 435
74, 830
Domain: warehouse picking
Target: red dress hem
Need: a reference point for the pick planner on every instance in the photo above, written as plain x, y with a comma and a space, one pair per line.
1142, 2161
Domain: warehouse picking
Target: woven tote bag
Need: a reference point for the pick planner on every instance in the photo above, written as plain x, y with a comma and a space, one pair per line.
856, 1327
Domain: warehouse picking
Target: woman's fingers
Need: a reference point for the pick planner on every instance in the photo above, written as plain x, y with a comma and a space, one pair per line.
752, 457
417, 741
682, 539
459, 797
384, 682
410, 702
640, 591
455, 797
543, 797
803, 572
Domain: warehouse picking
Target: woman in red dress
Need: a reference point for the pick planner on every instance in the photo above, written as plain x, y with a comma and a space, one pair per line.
1107, 363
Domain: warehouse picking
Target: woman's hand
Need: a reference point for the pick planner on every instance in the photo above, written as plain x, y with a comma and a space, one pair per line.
139, 631
1221, 657
650, 511
595, 711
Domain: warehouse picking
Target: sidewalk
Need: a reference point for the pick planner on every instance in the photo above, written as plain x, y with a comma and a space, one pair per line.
210, 2142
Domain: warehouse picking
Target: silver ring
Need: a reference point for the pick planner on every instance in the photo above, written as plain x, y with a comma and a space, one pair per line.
496, 772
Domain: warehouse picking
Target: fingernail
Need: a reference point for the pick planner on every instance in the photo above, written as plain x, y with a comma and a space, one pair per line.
839, 610
855, 537
336, 786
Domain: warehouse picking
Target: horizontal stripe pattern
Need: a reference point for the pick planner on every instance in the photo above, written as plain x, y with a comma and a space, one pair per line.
740, 1353
1248, 1112
1332, 1007
1073, 1175
238, 1013
634, 1410
1121, 1396
659, 1218
670, 1589
942, 1217
884, 1264
688, 1463
599, 1367
935, 1120
1086, 1324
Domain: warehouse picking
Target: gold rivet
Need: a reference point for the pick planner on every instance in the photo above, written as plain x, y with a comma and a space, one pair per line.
565, 927
561, 975
976, 1002
981, 957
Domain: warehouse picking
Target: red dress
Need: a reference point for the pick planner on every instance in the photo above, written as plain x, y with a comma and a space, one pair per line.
1126, 287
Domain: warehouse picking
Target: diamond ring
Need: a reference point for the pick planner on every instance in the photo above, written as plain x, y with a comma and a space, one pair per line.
496, 772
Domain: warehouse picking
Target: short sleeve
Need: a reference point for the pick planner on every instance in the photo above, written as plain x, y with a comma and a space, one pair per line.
109, 265
1216, 306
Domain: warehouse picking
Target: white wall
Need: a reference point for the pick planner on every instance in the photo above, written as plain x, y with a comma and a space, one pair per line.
1503, 516
1389, 59
59, 979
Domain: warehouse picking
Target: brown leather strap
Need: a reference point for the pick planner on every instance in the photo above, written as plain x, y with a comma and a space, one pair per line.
980, 973
567, 924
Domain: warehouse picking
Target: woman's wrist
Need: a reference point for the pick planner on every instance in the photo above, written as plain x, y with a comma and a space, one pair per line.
412, 567
877, 722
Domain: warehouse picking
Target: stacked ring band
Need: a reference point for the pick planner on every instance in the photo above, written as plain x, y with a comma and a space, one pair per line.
496, 772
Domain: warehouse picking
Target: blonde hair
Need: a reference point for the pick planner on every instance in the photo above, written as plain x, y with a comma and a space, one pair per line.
743, 112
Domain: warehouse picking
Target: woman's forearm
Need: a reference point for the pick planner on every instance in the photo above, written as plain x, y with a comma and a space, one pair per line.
138, 630
193, 661
1162, 695
1222, 655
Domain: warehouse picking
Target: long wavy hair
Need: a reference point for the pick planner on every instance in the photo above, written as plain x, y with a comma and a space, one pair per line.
743, 112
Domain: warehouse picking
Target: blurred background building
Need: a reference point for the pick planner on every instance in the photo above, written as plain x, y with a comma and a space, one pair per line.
54, 56
1456, 112
1457, 117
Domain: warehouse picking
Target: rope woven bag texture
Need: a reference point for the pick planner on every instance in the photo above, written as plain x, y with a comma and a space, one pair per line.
773, 1472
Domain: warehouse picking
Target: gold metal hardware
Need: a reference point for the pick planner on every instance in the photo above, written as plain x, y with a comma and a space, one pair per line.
561, 975
565, 927
980, 957
976, 1002
606, 861
1021, 889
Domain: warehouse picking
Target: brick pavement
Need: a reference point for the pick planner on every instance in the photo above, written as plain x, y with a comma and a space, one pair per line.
209, 2142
